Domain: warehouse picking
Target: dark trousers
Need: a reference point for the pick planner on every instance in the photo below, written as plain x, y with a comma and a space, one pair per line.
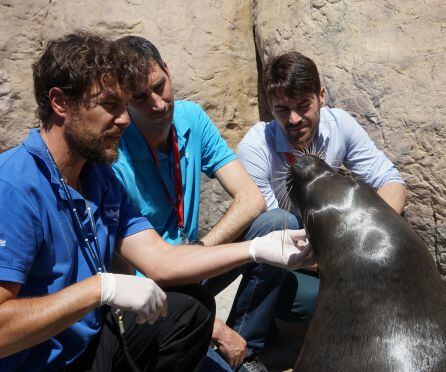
176, 343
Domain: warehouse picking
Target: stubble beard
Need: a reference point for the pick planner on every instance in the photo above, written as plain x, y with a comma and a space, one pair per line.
297, 140
90, 145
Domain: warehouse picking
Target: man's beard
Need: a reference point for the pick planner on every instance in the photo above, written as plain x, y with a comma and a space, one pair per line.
298, 139
91, 145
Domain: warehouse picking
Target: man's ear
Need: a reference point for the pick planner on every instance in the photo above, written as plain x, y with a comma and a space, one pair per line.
58, 102
322, 96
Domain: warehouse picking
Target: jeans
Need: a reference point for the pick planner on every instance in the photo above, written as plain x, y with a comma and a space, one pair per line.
214, 362
260, 290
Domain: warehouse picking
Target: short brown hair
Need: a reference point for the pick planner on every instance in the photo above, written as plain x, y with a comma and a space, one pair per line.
293, 74
144, 48
76, 62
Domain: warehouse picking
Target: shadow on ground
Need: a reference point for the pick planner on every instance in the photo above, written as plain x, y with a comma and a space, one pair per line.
284, 343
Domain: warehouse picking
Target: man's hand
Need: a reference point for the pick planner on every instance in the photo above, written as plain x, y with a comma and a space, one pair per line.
289, 249
133, 293
229, 343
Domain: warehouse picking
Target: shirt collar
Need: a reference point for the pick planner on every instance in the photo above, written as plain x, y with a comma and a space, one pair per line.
182, 127
36, 146
282, 142
137, 145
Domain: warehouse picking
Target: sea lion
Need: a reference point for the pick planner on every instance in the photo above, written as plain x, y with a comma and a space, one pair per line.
382, 302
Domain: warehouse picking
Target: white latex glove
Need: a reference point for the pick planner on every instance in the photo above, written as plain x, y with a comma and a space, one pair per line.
134, 293
289, 249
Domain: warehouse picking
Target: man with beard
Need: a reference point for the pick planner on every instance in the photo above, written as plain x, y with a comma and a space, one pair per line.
163, 153
301, 122
64, 215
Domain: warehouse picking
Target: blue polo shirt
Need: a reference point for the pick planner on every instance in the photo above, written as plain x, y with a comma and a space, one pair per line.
202, 149
39, 246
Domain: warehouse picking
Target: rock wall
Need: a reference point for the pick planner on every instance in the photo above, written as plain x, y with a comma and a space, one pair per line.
382, 61
20, 43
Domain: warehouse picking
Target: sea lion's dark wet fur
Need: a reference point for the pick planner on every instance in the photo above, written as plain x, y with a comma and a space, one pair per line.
382, 303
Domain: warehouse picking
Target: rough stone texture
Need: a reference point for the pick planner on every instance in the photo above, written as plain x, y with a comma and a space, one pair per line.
20, 42
384, 63
203, 43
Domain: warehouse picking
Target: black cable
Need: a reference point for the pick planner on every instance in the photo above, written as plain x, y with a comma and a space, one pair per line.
120, 324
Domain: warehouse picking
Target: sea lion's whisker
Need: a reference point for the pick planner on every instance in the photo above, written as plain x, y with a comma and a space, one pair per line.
282, 192
282, 177
282, 199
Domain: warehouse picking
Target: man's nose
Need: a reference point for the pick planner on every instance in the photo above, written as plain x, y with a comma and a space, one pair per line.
294, 118
157, 103
123, 118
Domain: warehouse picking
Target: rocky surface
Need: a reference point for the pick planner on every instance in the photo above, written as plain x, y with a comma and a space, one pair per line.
382, 61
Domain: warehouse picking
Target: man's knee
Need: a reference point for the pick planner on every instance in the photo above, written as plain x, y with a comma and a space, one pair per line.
272, 220
201, 294
193, 298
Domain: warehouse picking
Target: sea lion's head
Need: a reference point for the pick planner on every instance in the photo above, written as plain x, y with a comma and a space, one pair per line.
307, 173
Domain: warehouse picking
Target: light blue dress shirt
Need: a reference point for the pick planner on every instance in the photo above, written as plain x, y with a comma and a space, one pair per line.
341, 139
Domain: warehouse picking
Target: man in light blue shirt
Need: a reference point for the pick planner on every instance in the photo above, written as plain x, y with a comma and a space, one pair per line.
204, 151
339, 136
301, 122
161, 128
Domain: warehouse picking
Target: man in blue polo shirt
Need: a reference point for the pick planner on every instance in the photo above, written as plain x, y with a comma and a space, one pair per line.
61, 219
64, 215
167, 191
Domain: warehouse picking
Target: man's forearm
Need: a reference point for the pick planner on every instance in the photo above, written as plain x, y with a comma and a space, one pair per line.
26, 322
236, 220
172, 266
394, 194
196, 263
247, 204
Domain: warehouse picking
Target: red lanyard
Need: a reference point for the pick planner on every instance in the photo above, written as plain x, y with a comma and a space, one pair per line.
291, 158
179, 205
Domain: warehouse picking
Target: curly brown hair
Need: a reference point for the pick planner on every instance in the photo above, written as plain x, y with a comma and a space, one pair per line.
77, 62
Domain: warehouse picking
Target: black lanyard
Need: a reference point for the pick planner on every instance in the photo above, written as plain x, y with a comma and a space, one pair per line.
93, 250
